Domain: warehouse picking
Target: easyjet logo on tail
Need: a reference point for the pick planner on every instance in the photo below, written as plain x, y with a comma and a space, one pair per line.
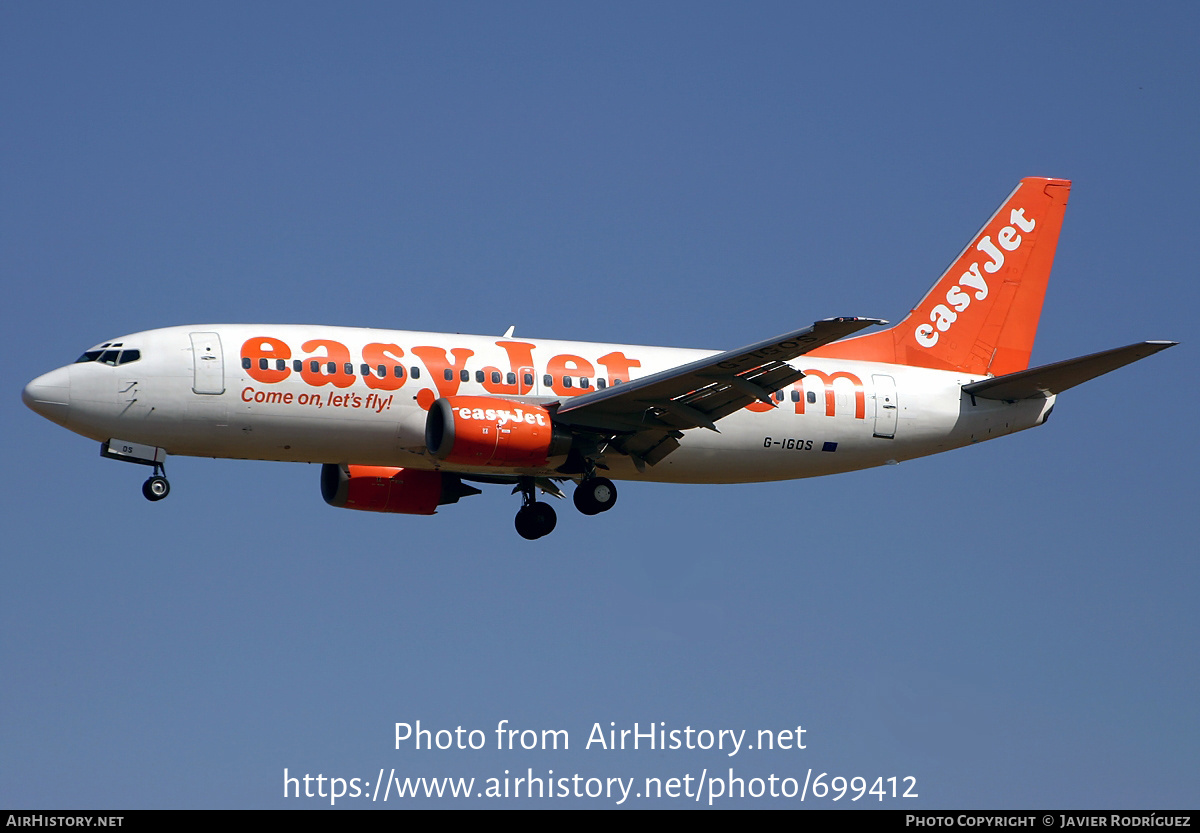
973, 282
981, 315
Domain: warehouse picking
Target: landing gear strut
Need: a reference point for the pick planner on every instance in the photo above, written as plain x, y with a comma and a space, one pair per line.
156, 486
594, 495
535, 519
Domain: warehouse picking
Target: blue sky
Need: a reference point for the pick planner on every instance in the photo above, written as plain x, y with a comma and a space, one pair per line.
1014, 624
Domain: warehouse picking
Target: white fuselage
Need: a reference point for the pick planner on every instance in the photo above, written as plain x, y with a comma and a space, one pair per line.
283, 392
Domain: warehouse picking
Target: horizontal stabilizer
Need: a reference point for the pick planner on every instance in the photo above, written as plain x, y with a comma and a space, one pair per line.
1055, 378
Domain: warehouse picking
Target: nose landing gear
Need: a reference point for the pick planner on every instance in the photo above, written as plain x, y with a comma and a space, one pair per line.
156, 486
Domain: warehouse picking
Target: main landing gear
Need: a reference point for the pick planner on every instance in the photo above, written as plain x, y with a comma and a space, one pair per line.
537, 519
156, 486
594, 495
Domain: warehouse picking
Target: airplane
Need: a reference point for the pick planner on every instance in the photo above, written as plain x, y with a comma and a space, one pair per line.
405, 422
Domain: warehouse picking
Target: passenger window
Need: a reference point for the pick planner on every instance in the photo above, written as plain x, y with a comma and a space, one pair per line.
495, 377
566, 381
811, 397
246, 363
280, 364
415, 372
314, 366
548, 380
297, 365
383, 371
397, 371
795, 395
331, 368
464, 375
262, 364
449, 374
365, 370
529, 380
479, 376
584, 383
600, 383
778, 396
511, 378
349, 368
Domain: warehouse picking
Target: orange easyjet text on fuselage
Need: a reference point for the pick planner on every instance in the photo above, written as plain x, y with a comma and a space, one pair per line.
270, 360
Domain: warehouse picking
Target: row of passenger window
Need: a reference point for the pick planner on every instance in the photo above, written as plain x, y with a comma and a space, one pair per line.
415, 372
510, 378
810, 396
381, 371
111, 354
331, 368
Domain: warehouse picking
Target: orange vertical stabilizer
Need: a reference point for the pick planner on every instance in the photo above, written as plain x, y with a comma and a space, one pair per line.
981, 316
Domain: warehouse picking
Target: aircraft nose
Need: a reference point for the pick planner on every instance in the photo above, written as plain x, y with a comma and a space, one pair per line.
50, 395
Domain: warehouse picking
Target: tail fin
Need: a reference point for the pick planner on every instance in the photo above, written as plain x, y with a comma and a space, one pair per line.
982, 315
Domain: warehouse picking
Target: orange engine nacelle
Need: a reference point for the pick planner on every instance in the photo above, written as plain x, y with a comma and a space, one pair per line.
390, 489
485, 431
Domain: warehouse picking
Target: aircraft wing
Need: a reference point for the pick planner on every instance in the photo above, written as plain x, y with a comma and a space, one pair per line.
649, 413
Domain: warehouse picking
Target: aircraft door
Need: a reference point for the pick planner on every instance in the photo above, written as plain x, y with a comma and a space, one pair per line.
208, 364
886, 406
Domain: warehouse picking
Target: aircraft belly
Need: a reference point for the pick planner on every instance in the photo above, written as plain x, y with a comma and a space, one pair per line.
771, 446
265, 433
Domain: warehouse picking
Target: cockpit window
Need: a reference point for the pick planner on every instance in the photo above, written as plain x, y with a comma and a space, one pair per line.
110, 357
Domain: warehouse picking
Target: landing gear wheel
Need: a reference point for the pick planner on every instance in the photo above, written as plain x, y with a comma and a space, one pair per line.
156, 488
536, 520
595, 495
